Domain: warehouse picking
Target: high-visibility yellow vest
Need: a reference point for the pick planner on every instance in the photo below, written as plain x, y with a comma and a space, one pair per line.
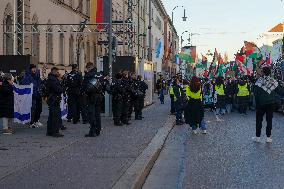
171, 90
175, 98
220, 90
243, 90
190, 94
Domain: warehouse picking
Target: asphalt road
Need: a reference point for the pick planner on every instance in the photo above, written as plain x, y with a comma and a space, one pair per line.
30, 160
225, 158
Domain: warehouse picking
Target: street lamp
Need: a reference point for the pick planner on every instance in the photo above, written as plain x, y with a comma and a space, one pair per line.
183, 18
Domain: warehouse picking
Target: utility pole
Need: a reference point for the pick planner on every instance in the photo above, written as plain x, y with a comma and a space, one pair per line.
150, 32
110, 52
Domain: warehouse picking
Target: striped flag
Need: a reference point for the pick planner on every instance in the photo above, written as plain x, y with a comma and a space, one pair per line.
22, 103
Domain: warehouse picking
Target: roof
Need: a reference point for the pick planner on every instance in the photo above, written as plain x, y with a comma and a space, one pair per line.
277, 28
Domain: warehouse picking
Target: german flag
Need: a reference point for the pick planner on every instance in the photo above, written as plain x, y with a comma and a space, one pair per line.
100, 12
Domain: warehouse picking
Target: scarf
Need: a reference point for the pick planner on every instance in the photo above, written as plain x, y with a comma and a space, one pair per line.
267, 83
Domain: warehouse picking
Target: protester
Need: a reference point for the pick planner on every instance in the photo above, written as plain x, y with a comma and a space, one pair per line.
265, 90
243, 94
7, 103
32, 76
221, 96
54, 91
172, 96
179, 98
194, 108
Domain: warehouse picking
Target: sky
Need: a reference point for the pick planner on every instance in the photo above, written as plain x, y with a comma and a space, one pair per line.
224, 24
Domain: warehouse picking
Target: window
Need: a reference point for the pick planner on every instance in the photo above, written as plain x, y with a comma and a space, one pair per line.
80, 6
49, 45
35, 41
8, 35
61, 49
71, 50
88, 5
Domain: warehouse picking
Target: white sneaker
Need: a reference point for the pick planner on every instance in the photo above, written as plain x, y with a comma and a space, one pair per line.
268, 140
195, 132
34, 125
39, 124
204, 132
256, 139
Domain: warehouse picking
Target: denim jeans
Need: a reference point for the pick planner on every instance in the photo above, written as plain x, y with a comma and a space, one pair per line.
202, 125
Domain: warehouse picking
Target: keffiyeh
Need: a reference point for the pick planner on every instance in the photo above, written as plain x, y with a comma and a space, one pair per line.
267, 83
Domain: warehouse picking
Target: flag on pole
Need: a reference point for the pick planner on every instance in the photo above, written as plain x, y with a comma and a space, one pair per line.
22, 103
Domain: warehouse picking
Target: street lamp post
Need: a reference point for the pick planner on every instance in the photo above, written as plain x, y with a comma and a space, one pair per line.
181, 40
184, 16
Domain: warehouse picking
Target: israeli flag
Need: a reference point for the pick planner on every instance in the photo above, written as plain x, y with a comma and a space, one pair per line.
63, 106
22, 103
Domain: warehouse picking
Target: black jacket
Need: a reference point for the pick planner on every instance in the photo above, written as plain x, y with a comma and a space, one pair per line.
6, 100
74, 83
54, 90
94, 93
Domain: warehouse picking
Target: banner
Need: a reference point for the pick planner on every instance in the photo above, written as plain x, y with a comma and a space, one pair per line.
188, 54
22, 103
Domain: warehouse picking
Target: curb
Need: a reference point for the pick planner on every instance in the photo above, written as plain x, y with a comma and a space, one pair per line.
135, 176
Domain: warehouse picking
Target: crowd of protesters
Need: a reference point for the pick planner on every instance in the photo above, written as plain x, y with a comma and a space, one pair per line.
190, 98
84, 94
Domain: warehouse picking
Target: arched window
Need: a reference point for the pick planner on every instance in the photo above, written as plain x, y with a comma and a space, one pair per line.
61, 48
8, 31
49, 44
71, 50
35, 38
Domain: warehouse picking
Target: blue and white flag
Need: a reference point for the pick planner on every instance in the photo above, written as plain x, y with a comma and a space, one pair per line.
22, 103
63, 107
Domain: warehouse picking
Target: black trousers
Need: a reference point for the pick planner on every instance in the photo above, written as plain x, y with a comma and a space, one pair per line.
74, 107
139, 105
36, 110
117, 111
131, 106
172, 104
124, 111
260, 111
83, 108
94, 118
54, 121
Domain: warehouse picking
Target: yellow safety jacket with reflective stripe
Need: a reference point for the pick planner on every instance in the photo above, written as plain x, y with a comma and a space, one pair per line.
175, 98
243, 90
192, 95
220, 90
171, 90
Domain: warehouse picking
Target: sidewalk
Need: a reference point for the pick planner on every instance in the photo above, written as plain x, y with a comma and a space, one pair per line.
29, 159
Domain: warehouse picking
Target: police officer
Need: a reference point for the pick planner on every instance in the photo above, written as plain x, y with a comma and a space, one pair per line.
54, 91
74, 82
172, 96
92, 87
126, 98
140, 88
117, 91
243, 96
132, 82
178, 99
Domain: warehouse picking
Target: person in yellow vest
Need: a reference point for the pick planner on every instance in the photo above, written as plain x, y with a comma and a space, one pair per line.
219, 92
194, 108
243, 96
179, 101
172, 96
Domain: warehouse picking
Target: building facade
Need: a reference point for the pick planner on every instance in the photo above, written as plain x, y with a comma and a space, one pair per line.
45, 36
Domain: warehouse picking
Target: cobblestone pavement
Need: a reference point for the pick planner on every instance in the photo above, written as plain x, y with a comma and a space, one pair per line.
225, 158
29, 159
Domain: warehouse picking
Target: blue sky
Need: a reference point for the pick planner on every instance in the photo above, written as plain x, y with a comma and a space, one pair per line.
240, 19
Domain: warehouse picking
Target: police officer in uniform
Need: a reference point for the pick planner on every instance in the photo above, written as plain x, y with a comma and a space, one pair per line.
117, 91
172, 96
126, 98
140, 88
132, 102
92, 87
54, 91
74, 82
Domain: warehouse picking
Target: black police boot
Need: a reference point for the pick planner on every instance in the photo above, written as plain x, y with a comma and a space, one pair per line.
57, 135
